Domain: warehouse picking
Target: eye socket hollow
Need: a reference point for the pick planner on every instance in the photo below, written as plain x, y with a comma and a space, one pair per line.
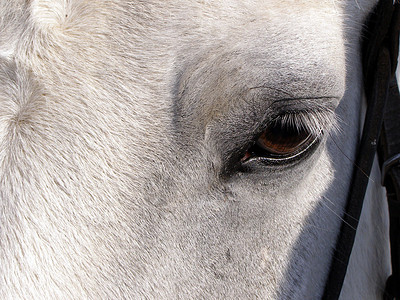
279, 142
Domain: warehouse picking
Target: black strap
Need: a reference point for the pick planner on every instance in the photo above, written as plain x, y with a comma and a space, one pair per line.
389, 151
377, 73
389, 155
359, 183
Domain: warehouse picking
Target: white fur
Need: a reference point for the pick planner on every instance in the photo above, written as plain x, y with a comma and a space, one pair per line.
116, 122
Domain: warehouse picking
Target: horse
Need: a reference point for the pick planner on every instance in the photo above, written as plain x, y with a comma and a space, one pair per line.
182, 149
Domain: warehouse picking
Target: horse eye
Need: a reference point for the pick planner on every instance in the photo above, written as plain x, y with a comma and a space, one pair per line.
279, 142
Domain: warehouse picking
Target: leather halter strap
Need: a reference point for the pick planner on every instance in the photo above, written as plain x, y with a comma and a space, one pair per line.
379, 64
389, 150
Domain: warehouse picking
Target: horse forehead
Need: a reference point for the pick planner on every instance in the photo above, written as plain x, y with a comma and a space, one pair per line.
298, 45
194, 20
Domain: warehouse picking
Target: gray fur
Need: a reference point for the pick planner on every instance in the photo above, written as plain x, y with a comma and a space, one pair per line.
118, 124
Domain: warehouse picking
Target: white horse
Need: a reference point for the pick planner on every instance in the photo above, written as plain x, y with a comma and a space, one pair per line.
182, 149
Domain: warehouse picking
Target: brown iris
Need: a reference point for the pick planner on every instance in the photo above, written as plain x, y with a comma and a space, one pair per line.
282, 141
278, 141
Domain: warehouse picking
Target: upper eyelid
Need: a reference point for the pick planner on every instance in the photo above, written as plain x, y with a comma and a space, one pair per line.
314, 122
308, 112
276, 102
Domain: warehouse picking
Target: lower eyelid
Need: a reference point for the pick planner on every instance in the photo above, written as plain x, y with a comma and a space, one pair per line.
282, 160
